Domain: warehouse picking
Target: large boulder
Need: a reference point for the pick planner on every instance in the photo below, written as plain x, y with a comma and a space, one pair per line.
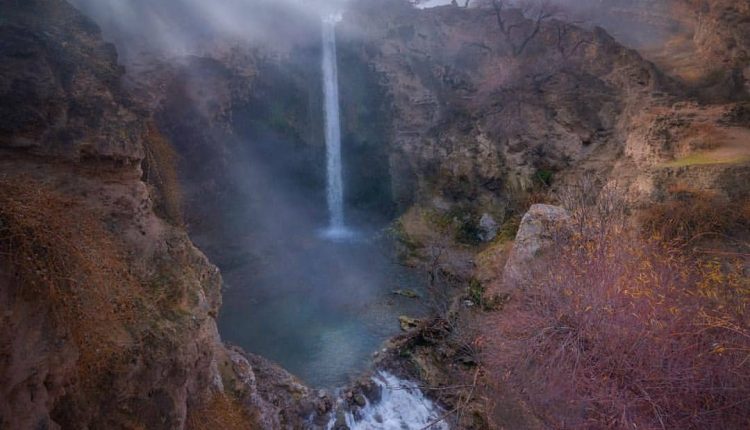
541, 228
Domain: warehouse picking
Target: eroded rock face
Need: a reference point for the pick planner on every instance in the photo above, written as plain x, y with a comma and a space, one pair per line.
722, 36
478, 114
542, 227
58, 83
701, 147
169, 348
68, 129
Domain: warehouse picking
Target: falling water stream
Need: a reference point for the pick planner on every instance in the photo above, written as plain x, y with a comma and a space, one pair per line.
335, 182
402, 405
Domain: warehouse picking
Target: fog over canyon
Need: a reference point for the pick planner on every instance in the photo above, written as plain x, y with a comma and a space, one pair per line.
374, 214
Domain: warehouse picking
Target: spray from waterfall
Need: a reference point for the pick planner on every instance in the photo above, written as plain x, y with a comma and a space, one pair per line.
335, 183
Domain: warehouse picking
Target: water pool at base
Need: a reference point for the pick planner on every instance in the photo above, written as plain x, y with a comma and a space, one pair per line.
317, 307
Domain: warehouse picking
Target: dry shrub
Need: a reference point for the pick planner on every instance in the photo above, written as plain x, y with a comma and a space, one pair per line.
689, 215
222, 412
62, 256
160, 171
706, 136
618, 331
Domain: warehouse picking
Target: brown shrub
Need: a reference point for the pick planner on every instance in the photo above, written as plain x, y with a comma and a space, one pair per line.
705, 137
222, 412
61, 255
689, 215
618, 331
160, 172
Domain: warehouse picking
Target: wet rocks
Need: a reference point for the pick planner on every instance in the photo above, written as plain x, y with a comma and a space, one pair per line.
409, 294
340, 423
408, 323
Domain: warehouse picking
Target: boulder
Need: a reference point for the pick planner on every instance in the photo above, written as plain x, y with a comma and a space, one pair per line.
541, 227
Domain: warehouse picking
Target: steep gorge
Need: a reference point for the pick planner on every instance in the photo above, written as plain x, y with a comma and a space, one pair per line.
440, 110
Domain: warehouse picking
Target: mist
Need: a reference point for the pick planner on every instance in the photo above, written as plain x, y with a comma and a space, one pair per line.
318, 308
186, 27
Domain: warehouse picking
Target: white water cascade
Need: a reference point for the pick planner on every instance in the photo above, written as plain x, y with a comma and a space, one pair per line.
402, 405
335, 184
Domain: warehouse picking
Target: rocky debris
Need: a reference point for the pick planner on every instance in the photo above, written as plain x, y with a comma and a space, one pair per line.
340, 423
278, 399
541, 227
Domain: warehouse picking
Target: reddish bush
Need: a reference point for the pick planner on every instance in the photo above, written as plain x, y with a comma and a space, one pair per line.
617, 331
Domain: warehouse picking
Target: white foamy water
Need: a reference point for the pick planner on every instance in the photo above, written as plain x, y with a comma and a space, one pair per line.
335, 182
402, 406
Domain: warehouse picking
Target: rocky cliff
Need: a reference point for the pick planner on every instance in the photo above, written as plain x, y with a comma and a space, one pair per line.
488, 104
480, 112
108, 310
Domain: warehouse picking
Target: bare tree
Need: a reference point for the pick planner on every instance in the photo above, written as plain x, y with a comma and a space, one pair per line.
566, 44
517, 32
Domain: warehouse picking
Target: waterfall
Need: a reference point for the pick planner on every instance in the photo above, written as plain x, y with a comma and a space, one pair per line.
402, 405
335, 183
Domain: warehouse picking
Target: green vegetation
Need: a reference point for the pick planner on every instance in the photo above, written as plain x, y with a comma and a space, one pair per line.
478, 294
508, 229
410, 245
461, 222
544, 177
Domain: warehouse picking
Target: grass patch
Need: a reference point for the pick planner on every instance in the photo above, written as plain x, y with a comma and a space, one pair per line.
705, 159
160, 173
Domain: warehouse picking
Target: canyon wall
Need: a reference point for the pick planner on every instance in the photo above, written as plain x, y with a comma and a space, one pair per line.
108, 310
489, 105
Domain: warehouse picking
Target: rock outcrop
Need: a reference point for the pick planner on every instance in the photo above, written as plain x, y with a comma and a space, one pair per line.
542, 228
60, 87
